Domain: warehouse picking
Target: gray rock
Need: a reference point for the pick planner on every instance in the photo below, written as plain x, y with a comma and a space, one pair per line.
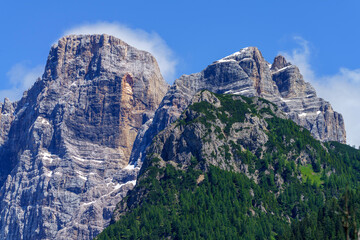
247, 73
6, 118
67, 142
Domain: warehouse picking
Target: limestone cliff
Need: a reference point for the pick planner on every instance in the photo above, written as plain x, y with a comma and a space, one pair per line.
67, 142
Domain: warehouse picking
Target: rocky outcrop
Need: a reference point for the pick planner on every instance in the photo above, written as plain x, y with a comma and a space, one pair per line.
205, 135
247, 73
68, 140
6, 118
298, 99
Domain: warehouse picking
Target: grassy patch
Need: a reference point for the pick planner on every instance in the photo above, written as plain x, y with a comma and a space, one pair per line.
308, 174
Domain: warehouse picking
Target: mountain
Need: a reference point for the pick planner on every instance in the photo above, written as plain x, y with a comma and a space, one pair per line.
65, 145
73, 145
247, 73
233, 167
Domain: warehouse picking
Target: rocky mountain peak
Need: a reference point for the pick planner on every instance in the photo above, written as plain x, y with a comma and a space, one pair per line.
247, 73
248, 52
7, 107
87, 56
69, 139
279, 63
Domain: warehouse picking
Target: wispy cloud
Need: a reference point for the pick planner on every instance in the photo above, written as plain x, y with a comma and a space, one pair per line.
342, 89
138, 38
21, 77
301, 57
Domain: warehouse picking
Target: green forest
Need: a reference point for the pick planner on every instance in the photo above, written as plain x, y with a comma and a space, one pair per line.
316, 200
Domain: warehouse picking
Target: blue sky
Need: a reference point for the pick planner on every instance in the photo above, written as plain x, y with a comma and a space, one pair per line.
322, 37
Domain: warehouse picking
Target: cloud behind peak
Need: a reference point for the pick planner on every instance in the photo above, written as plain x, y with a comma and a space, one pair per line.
150, 42
341, 89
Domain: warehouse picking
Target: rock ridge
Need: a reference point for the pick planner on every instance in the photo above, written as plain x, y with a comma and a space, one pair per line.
247, 73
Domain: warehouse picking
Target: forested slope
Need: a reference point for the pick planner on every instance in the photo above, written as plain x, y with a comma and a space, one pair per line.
235, 168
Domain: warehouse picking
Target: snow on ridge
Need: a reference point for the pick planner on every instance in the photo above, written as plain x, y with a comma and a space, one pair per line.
230, 57
225, 60
281, 69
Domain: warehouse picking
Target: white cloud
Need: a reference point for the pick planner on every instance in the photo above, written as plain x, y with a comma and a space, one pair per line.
21, 77
138, 38
300, 57
342, 89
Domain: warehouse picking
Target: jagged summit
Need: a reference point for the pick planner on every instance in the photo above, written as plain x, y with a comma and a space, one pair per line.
94, 54
66, 146
279, 63
247, 73
243, 53
254, 53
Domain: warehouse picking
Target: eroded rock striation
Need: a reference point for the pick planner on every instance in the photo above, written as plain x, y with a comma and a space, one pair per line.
67, 142
247, 73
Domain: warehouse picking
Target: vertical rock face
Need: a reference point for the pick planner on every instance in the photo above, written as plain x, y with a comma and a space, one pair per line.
298, 99
6, 118
68, 140
247, 73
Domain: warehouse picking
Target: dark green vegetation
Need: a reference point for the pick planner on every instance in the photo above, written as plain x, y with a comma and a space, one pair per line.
304, 189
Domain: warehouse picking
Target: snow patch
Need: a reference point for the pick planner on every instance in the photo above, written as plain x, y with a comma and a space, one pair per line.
238, 92
81, 175
117, 186
85, 160
130, 167
286, 100
282, 69
45, 121
318, 112
46, 156
303, 114
88, 203
225, 60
